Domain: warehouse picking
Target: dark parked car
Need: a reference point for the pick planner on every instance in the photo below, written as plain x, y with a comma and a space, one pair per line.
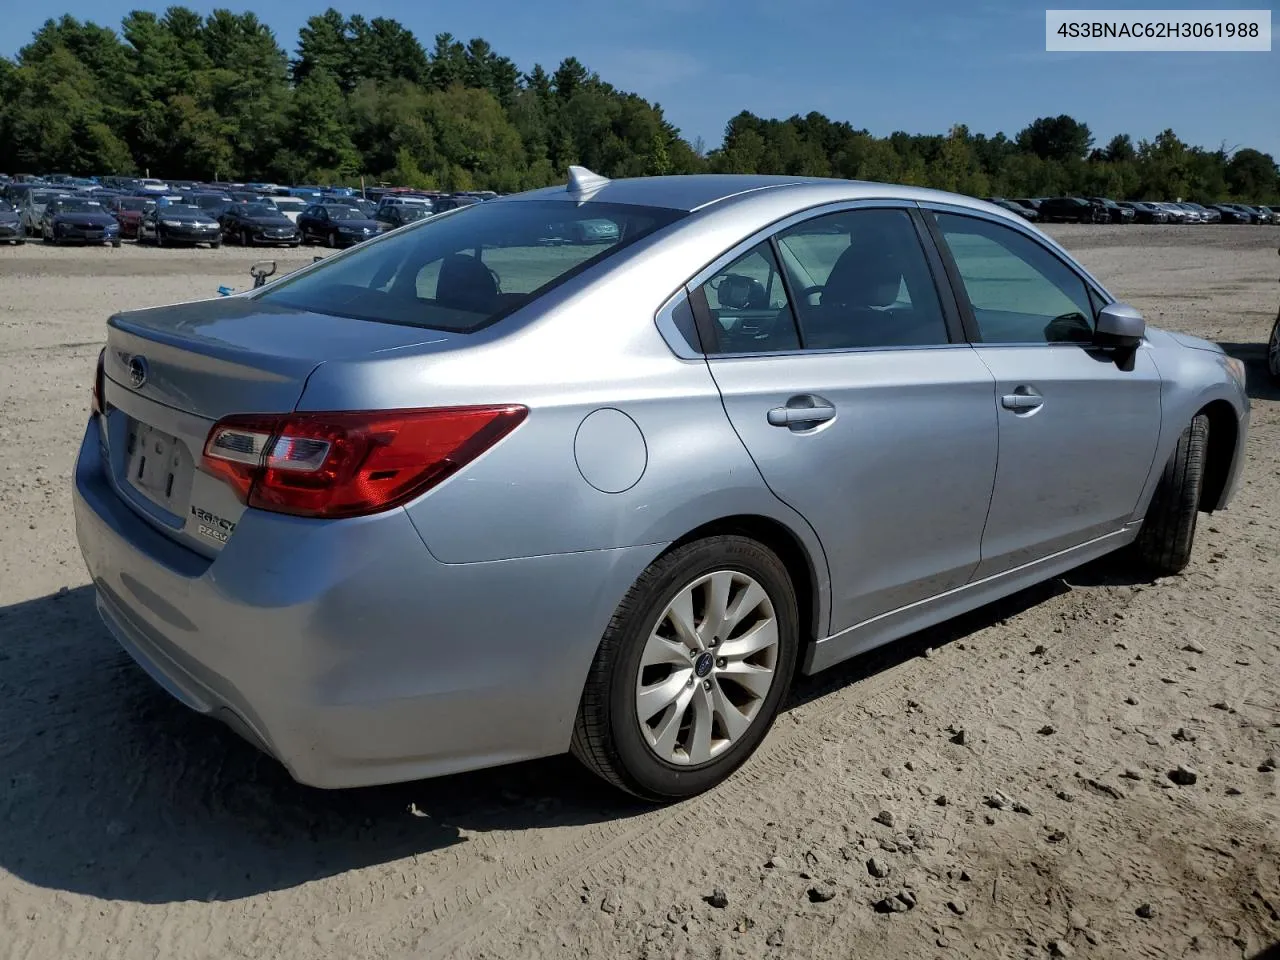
367, 207
258, 223
1014, 206
129, 212
1071, 210
214, 204
442, 204
11, 224
1114, 212
335, 226
176, 224
398, 214
1263, 214
1233, 214
78, 220
1145, 212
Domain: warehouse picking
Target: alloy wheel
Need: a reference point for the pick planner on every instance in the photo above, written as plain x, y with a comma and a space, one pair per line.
707, 667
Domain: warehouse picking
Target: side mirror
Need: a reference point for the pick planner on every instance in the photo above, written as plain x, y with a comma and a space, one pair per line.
1119, 325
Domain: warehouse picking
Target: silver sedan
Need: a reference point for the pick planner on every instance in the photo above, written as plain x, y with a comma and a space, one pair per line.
599, 467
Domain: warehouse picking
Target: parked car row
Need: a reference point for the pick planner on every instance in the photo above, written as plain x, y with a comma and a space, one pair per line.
1106, 210
61, 209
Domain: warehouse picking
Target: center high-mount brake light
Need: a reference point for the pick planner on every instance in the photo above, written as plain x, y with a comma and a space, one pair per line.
350, 464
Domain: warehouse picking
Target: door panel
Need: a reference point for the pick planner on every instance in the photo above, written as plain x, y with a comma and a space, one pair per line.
896, 483
1073, 466
1078, 427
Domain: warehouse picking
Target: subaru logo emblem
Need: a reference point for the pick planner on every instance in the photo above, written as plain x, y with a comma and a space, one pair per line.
137, 371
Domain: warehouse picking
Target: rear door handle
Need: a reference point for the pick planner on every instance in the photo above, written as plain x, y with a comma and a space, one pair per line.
802, 411
1021, 401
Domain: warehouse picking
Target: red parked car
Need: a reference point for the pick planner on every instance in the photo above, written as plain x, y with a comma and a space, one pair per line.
129, 211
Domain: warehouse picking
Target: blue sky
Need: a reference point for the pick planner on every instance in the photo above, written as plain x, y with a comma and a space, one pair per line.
914, 65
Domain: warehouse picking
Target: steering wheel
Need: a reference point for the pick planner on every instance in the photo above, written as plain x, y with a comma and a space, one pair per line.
808, 292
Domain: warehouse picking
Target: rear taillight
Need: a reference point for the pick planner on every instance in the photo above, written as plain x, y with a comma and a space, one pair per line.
349, 464
95, 403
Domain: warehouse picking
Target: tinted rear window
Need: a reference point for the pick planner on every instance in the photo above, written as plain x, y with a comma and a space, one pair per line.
464, 270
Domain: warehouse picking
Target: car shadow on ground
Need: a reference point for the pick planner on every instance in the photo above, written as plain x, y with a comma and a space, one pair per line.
111, 788
1260, 385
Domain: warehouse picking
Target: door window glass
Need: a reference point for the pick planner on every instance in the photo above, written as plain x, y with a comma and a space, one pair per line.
861, 280
1020, 291
748, 305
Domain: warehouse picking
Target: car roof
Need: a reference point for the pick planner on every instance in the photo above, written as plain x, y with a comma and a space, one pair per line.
692, 192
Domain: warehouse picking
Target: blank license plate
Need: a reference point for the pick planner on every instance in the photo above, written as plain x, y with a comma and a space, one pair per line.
155, 462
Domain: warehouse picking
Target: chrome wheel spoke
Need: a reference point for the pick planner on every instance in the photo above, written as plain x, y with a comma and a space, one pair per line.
751, 678
680, 616
760, 637
734, 721
664, 738
652, 700
718, 587
746, 603
699, 742
661, 650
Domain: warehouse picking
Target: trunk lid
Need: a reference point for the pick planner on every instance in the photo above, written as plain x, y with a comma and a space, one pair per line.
172, 372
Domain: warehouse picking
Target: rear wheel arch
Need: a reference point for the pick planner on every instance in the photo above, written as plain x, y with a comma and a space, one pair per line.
789, 548
1224, 434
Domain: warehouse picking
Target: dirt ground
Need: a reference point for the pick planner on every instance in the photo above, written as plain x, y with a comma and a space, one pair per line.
1006, 773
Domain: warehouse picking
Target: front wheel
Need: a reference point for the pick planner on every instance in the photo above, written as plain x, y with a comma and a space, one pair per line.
691, 670
331, 240
1273, 350
1169, 529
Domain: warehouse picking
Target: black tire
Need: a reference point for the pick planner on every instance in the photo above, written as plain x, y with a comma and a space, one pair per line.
1164, 543
115, 244
245, 239
215, 244
331, 240
607, 738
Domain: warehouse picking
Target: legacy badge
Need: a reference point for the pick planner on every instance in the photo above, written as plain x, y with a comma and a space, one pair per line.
212, 526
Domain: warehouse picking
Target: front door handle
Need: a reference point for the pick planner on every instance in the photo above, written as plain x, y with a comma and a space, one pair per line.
802, 412
1022, 401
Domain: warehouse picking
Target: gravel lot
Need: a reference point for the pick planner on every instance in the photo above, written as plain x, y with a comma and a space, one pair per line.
1019, 755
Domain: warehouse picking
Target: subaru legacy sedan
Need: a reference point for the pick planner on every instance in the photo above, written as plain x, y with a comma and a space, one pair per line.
458, 497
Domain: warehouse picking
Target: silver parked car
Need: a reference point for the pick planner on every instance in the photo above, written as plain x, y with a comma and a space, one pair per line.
490, 487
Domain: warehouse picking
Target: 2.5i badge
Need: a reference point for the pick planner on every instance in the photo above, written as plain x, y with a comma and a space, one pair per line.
212, 526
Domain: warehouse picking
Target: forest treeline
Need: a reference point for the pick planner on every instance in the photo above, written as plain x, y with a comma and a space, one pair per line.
217, 97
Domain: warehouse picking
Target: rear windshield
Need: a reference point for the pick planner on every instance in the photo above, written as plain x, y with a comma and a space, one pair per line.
464, 270
285, 203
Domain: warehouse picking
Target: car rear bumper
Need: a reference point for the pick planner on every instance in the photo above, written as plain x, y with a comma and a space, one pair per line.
343, 648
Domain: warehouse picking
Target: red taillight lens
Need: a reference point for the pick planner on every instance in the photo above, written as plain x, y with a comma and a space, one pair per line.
95, 403
349, 464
